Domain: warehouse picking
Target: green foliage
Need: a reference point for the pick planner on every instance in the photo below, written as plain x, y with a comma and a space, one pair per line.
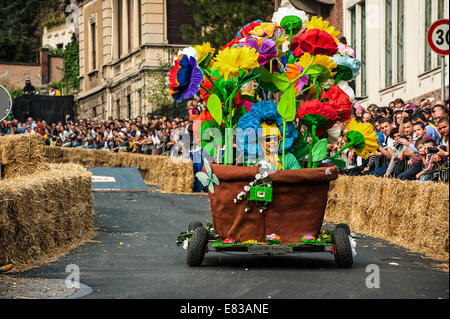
156, 87
218, 21
15, 93
55, 52
71, 68
20, 26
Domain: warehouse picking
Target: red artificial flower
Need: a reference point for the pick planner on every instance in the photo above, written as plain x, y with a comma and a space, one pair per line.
315, 42
197, 121
232, 42
245, 30
308, 109
340, 102
207, 84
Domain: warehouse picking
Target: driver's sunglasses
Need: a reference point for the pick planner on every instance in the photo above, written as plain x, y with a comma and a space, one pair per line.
270, 139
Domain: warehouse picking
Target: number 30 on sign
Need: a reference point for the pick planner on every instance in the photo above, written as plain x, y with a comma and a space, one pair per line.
439, 37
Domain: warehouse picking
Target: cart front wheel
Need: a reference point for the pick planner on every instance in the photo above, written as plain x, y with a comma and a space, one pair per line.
345, 227
193, 226
342, 248
197, 247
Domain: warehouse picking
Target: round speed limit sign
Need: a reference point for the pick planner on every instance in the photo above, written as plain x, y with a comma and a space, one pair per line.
439, 37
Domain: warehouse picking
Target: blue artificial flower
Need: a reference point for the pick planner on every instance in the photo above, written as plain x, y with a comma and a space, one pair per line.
349, 62
265, 110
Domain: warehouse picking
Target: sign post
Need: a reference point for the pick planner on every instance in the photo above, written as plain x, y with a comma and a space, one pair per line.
438, 37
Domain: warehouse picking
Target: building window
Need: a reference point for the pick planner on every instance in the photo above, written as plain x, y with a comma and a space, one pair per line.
129, 105
93, 51
363, 50
400, 40
353, 28
388, 44
427, 56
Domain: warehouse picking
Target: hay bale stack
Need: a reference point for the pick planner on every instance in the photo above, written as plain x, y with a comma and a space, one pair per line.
171, 175
21, 155
411, 214
45, 213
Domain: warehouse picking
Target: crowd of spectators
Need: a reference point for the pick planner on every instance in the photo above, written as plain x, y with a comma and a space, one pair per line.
413, 141
155, 136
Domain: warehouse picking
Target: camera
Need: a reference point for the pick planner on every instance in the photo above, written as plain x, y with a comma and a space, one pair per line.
404, 136
432, 150
410, 111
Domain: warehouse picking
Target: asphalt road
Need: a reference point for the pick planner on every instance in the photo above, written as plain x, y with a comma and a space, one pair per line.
135, 255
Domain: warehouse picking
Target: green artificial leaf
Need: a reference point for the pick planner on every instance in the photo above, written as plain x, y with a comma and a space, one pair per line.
291, 59
300, 150
203, 178
286, 106
339, 162
356, 139
211, 137
239, 112
281, 81
204, 62
319, 72
291, 24
265, 80
319, 151
215, 108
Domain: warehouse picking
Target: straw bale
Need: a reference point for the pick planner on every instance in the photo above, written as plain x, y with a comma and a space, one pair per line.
411, 214
21, 154
45, 213
171, 176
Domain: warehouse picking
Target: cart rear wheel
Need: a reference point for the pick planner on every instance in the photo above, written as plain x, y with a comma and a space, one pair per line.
342, 248
345, 227
193, 226
197, 247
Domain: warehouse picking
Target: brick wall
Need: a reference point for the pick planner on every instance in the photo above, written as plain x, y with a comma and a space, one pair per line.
12, 75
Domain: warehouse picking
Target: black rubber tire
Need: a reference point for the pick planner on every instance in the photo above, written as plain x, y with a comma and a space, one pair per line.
193, 226
197, 247
345, 227
342, 248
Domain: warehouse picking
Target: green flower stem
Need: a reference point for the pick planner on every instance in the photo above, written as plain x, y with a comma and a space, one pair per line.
290, 43
341, 150
318, 91
338, 78
313, 142
209, 92
284, 138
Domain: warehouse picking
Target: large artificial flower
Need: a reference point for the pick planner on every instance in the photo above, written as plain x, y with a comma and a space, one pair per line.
315, 42
340, 102
293, 73
231, 60
189, 51
265, 29
266, 49
204, 50
347, 67
320, 69
361, 137
232, 43
319, 24
283, 12
259, 113
319, 114
185, 78
345, 49
245, 30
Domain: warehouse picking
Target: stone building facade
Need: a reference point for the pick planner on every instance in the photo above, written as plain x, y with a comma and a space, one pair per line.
120, 41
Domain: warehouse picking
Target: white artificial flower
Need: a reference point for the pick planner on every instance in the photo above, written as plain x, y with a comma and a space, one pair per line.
258, 176
268, 185
246, 210
235, 201
261, 211
265, 174
185, 244
246, 188
251, 183
189, 51
283, 12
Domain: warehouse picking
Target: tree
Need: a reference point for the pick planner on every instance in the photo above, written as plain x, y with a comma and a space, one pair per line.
218, 21
20, 25
71, 67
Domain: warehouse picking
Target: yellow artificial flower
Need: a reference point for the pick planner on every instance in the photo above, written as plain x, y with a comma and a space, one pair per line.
265, 29
318, 23
363, 138
203, 50
325, 236
324, 60
230, 60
